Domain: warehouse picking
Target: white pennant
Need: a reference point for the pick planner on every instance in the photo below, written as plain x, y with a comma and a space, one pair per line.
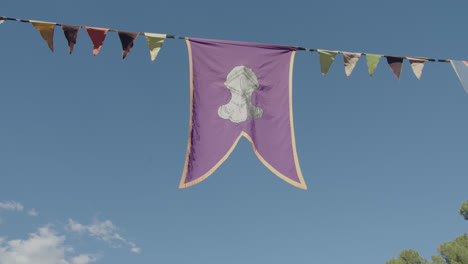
350, 61
417, 64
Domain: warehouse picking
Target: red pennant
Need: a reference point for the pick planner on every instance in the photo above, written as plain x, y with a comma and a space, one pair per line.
127, 39
97, 36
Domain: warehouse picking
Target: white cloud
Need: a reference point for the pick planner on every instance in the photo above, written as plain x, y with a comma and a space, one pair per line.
33, 212
16, 206
134, 248
75, 226
11, 206
83, 259
42, 247
105, 231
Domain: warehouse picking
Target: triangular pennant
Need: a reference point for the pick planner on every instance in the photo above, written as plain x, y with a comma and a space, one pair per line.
418, 65
97, 36
127, 39
326, 59
461, 69
47, 32
350, 61
71, 33
372, 62
396, 64
155, 42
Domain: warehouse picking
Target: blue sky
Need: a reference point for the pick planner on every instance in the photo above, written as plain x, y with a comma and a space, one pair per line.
96, 145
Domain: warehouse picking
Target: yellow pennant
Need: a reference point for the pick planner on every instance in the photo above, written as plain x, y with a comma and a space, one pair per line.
155, 42
47, 31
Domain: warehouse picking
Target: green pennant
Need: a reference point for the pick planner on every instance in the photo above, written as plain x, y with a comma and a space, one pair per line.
326, 59
372, 62
155, 42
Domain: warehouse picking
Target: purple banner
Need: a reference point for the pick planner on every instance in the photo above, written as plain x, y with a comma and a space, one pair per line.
239, 90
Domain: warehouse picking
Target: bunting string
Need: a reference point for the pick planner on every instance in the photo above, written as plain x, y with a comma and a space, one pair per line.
298, 48
155, 43
58, 24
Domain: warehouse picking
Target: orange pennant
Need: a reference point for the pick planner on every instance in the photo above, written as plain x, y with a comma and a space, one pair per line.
47, 31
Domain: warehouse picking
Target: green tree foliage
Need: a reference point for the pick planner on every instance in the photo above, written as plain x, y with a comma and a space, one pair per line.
408, 256
464, 209
452, 252
436, 259
456, 251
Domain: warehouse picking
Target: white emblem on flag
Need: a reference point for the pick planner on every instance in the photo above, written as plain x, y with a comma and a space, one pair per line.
242, 83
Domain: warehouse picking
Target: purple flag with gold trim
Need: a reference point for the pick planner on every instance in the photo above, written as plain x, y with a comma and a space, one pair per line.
240, 89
